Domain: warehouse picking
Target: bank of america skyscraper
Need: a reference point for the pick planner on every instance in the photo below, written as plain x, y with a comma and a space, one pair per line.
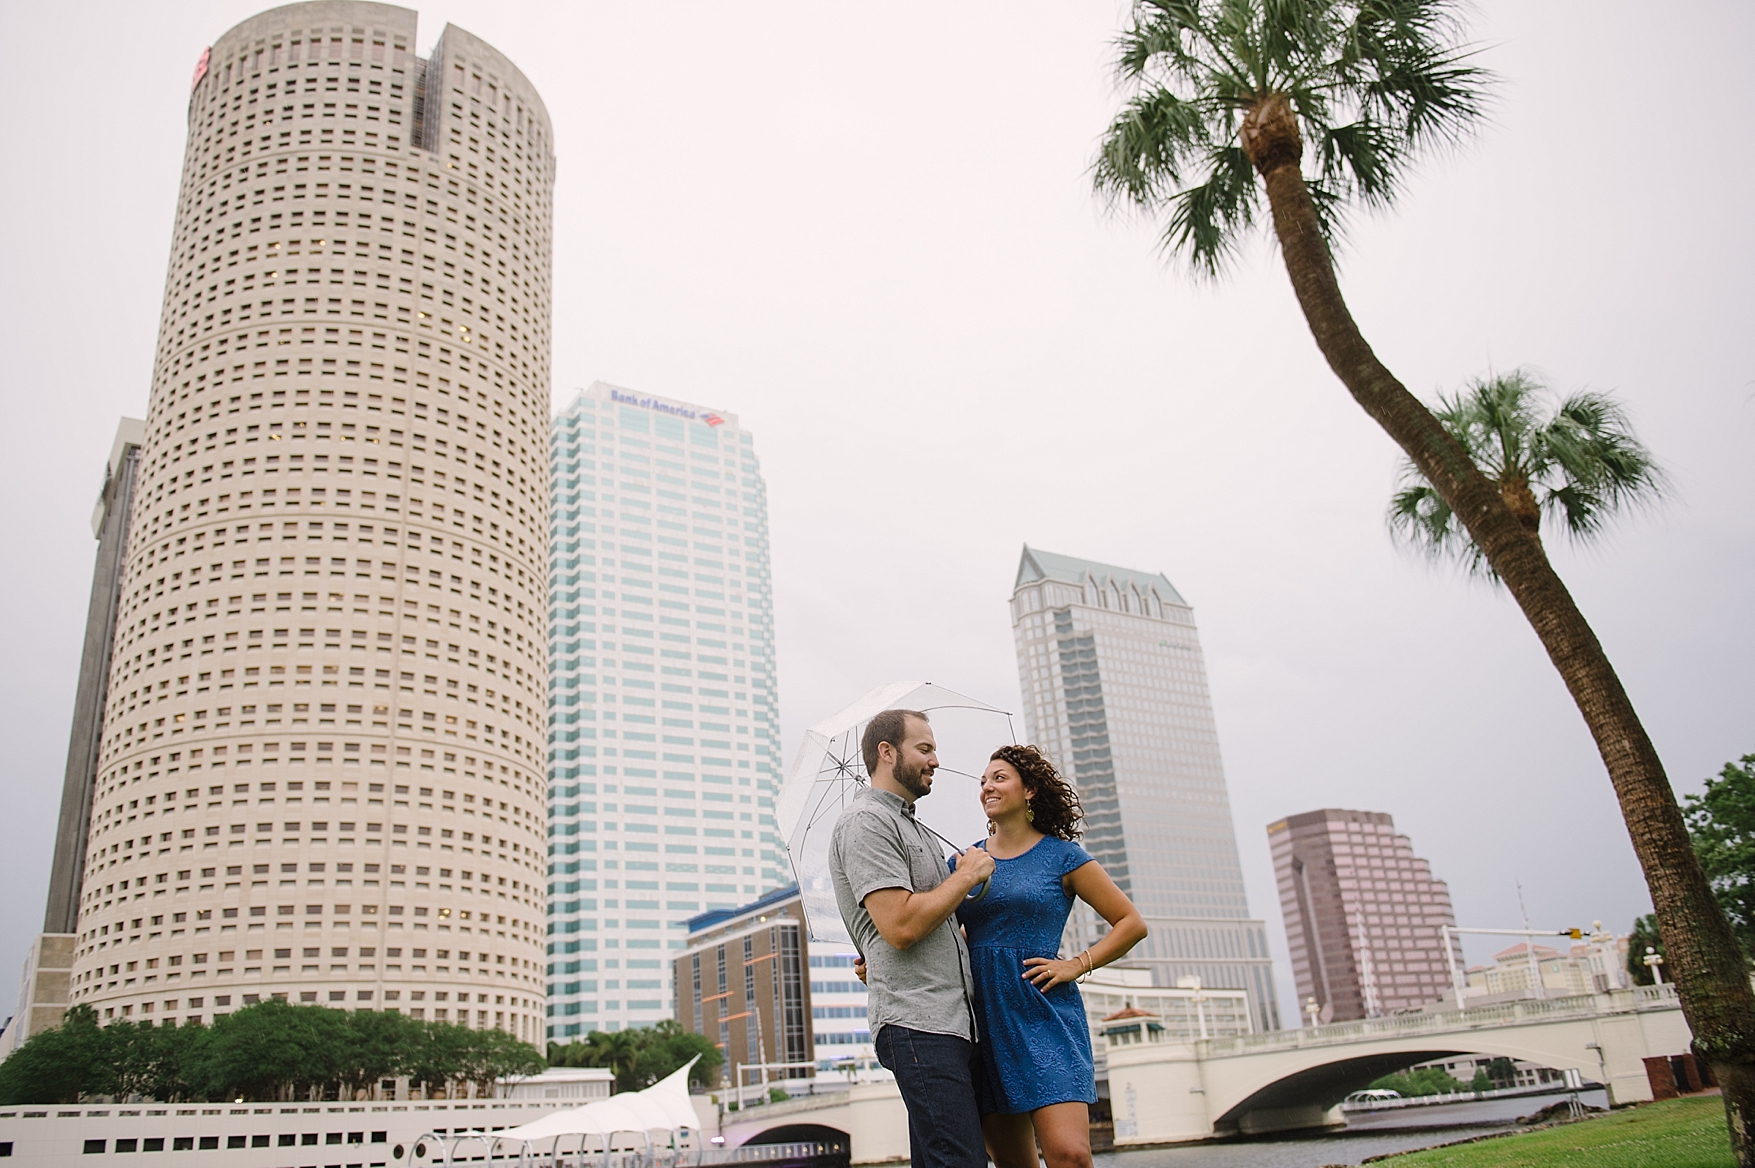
664, 727
1116, 691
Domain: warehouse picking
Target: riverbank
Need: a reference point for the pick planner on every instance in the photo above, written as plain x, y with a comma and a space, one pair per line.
1678, 1133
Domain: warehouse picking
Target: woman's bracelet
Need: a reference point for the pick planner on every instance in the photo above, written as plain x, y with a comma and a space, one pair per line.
1089, 967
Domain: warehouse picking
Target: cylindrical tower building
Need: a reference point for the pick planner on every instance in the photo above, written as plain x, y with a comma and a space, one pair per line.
322, 768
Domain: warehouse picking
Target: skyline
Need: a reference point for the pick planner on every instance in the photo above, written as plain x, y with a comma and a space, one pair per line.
894, 305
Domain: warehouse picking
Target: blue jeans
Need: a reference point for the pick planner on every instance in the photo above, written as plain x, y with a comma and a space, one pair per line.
936, 1074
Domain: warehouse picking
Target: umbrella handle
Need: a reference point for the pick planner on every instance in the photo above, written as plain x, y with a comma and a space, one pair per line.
979, 892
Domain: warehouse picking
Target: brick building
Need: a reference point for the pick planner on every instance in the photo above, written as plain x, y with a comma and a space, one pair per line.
743, 982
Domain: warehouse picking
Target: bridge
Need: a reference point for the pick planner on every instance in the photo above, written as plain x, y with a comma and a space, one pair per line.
1286, 1080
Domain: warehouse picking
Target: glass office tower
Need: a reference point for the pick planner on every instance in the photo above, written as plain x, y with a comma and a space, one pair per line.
1115, 691
664, 726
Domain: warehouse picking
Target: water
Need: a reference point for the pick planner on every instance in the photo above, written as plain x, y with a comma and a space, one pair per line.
1366, 1134
1487, 1111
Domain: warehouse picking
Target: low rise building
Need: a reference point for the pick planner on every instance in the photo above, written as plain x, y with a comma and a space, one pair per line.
1586, 968
574, 1086
742, 982
1124, 1008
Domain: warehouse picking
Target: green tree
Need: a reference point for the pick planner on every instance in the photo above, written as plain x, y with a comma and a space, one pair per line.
1644, 936
147, 1060
486, 1056
59, 1065
1482, 1081
643, 1056
265, 1052
1576, 465
1420, 1081
1502, 1072
1722, 821
435, 1057
668, 1046
620, 1052
373, 1045
1225, 96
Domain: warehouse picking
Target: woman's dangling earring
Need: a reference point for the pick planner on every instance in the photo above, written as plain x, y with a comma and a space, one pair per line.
992, 827
1030, 812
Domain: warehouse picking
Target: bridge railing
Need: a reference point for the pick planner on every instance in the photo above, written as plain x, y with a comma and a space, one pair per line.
1470, 1018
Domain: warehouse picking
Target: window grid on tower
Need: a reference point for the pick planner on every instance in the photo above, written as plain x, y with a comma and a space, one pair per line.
320, 774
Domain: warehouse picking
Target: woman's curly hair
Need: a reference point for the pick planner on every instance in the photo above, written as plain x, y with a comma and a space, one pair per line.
1056, 804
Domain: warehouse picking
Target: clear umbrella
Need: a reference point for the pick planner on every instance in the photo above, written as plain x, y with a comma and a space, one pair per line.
829, 769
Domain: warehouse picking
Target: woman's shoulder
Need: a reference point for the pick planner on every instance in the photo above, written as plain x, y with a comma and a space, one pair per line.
1068, 854
952, 861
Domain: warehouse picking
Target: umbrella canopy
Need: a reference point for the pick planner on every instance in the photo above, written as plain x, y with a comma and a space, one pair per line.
662, 1107
828, 770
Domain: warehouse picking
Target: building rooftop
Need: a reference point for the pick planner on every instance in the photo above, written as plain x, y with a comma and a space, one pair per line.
1543, 952
719, 916
1331, 815
1040, 565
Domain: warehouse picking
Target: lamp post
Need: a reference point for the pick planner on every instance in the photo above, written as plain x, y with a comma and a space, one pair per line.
1602, 1063
1607, 952
1191, 982
1654, 961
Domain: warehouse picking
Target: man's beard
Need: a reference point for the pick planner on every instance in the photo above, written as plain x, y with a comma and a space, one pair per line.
916, 780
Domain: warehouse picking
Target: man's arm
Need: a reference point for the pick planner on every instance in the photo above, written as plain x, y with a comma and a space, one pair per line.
903, 917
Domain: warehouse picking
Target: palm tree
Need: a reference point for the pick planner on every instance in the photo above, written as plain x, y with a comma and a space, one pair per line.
1224, 97
620, 1052
1576, 466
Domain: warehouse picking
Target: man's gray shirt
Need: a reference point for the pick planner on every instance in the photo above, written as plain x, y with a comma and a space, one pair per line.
878, 844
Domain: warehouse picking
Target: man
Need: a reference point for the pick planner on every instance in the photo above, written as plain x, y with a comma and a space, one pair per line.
897, 898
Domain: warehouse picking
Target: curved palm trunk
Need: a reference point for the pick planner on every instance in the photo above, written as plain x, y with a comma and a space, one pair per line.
1703, 955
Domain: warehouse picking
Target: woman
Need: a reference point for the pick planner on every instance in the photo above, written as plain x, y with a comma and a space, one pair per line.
1035, 1041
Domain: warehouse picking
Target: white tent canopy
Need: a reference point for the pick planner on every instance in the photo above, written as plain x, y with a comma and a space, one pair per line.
662, 1107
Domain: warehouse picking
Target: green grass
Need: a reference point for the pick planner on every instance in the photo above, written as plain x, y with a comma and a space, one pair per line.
1679, 1133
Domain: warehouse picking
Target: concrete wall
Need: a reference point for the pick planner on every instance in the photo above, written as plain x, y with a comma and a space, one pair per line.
42, 990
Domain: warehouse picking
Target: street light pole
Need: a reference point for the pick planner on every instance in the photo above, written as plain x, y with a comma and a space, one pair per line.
1192, 982
1529, 949
1453, 960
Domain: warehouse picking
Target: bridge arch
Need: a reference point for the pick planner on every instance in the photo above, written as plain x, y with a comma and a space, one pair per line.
1298, 1088
1325, 1085
1282, 1080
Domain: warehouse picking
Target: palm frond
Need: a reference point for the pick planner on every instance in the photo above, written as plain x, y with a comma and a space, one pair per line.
1371, 81
1149, 145
1579, 458
1422, 521
1589, 443
1361, 158
1208, 221
1581, 510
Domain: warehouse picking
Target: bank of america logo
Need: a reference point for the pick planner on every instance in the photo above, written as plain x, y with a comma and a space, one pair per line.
713, 419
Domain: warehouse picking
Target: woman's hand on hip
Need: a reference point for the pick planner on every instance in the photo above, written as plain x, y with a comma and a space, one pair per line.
1047, 972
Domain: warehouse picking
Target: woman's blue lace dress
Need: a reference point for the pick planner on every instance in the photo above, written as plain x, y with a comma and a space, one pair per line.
1035, 1046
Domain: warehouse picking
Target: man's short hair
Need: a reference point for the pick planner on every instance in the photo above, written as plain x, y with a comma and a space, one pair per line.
887, 726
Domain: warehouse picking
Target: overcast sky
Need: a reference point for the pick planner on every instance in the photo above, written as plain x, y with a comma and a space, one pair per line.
868, 230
